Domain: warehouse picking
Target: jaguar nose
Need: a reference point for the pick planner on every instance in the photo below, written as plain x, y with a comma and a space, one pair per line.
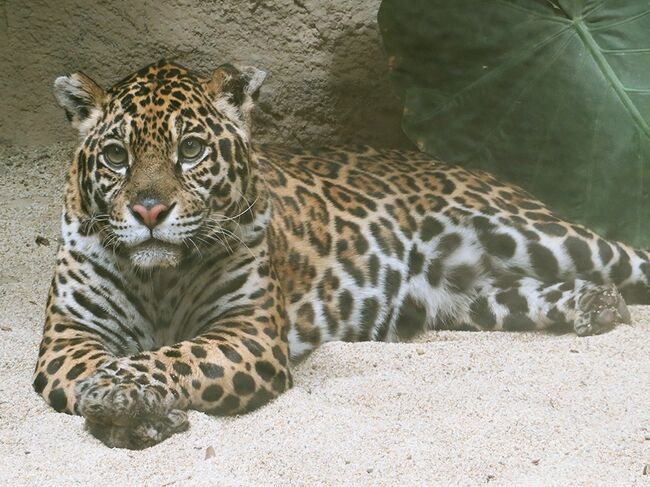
150, 211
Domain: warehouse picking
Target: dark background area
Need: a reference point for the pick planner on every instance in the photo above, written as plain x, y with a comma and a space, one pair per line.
327, 78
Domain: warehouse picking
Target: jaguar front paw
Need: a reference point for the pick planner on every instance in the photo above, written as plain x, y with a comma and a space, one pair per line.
129, 409
140, 433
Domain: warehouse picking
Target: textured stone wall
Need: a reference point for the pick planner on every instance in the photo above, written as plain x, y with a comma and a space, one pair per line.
327, 78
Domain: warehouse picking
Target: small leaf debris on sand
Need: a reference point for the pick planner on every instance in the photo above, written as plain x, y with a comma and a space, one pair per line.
209, 453
42, 241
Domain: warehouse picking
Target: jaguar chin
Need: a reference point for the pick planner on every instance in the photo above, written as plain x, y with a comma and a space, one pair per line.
155, 253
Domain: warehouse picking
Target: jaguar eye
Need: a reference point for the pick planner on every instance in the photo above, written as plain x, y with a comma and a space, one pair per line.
115, 156
190, 149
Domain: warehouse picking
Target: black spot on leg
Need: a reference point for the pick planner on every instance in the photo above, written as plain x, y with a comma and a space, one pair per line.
40, 382
198, 352
411, 319
55, 364
514, 301
580, 253
637, 293
556, 316
210, 370
645, 269
553, 296
416, 260
229, 404
604, 251
76, 371
543, 261
159, 377
255, 348
381, 331
182, 368
141, 356
596, 277
622, 269
449, 244
230, 353
518, 322
57, 399
461, 278
261, 397
373, 269
265, 370
568, 285
368, 316
345, 305
279, 355
393, 282
212, 393
243, 384
279, 383
499, 245
434, 273
482, 314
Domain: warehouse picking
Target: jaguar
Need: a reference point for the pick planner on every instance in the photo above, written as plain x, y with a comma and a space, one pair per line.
196, 266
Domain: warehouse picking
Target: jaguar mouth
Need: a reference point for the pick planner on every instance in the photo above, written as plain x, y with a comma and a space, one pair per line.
155, 253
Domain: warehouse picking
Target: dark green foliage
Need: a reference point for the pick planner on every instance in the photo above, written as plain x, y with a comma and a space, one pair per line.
553, 95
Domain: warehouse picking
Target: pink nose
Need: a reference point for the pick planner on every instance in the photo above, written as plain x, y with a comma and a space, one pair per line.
150, 216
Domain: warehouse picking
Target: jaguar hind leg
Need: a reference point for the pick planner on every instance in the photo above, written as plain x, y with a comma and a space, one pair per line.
524, 303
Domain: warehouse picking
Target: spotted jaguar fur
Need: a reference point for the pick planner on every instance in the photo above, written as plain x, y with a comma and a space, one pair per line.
195, 265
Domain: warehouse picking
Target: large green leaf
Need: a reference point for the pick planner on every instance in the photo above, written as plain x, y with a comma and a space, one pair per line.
553, 95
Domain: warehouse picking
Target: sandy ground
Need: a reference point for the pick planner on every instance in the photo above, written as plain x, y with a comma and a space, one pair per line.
453, 409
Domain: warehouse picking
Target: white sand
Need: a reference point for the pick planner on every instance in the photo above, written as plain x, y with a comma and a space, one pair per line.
455, 409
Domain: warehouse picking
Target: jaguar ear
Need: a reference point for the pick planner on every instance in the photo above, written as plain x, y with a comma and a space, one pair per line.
235, 90
80, 97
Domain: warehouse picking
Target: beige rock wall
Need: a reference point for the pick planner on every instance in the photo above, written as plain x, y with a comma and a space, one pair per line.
327, 80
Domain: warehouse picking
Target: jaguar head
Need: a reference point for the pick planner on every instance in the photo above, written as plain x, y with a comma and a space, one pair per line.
163, 164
